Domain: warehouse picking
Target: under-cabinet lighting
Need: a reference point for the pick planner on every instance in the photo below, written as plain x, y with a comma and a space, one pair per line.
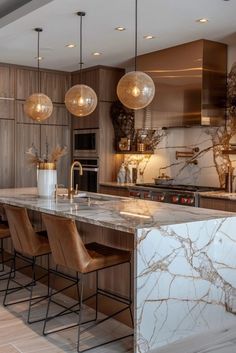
134, 214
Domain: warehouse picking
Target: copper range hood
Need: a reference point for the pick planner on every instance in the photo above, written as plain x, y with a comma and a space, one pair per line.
190, 84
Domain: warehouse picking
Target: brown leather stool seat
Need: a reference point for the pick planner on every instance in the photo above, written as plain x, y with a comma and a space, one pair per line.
28, 246
68, 250
4, 231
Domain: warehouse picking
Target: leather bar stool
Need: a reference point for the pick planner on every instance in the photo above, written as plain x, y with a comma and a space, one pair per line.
4, 234
69, 251
28, 247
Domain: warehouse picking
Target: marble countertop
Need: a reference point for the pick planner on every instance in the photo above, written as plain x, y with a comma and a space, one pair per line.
121, 213
219, 195
114, 184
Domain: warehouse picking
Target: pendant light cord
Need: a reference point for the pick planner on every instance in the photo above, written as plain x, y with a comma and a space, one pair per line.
81, 14
136, 36
38, 30
39, 83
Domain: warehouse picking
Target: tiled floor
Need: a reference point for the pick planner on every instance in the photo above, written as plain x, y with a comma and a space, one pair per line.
16, 336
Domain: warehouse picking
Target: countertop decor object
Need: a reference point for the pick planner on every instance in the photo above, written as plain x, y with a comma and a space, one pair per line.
81, 100
46, 168
136, 89
38, 106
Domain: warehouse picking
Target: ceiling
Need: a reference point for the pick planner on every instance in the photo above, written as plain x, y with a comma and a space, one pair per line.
172, 22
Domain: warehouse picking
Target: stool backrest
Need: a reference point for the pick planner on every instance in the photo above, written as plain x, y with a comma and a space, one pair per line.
67, 247
23, 236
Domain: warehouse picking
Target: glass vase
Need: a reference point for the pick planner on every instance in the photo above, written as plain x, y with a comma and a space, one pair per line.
47, 179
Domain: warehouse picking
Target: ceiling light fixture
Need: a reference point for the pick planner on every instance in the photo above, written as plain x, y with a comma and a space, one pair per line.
202, 20
136, 89
148, 37
120, 29
81, 100
38, 106
71, 45
96, 53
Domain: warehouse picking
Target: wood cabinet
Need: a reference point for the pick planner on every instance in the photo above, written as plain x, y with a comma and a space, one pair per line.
7, 153
26, 134
26, 82
55, 85
218, 204
6, 81
117, 191
57, 135
60, 115
7, 108
104, 81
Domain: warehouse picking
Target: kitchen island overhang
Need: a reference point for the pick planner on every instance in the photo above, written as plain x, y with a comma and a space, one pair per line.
184, 261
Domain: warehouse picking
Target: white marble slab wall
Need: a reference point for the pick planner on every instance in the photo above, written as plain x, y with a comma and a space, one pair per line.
186, 281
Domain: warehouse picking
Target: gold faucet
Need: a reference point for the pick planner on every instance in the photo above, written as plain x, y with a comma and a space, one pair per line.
71, 190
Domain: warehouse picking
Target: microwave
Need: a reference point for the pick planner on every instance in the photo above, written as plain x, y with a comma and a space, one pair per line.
86, 143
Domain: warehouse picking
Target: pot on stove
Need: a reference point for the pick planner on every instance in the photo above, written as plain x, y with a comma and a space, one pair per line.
163, 179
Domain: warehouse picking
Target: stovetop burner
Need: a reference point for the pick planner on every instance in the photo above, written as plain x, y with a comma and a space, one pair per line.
192, 188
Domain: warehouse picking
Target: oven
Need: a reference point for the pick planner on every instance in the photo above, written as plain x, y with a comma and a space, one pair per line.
89, 180
86, 143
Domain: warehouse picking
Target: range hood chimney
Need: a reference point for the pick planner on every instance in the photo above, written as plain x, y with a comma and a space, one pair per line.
190, 84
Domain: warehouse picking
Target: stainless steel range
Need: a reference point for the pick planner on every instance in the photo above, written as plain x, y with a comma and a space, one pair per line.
177, 194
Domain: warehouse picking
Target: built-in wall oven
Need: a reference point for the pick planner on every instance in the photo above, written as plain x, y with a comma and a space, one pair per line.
86, 143
89, 180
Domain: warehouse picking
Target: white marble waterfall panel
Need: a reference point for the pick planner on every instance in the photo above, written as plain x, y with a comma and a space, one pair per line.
186, 281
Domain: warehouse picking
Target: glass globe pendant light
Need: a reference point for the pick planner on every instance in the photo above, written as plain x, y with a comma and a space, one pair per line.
38, 106
81, 100
136, 89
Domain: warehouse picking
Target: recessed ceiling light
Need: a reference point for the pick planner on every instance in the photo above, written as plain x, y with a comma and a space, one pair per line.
96, 53
71, 45
39, 57
148, 37
120, 29
202, 20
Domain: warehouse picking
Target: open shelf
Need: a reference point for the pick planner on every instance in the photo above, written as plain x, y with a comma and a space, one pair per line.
134, 152
229, 151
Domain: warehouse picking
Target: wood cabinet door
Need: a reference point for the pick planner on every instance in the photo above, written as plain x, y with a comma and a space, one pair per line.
26, 134
60, 116
7, 147
90, 77
87, 122
57, 135
55, 85
26, 83
108, 80
7, 109
6, 81
21, 117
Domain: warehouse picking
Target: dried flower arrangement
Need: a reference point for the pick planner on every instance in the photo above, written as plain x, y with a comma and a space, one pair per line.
34, 158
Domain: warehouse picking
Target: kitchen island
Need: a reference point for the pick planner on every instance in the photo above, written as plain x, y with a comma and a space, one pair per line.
184, 260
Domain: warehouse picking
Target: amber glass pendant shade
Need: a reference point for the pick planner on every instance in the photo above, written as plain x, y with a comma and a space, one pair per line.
136, 90
81, 100
38, 107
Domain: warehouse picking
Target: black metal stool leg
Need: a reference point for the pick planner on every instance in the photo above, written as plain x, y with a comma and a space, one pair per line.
81, 309
13, 264
2, 256
31, 289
